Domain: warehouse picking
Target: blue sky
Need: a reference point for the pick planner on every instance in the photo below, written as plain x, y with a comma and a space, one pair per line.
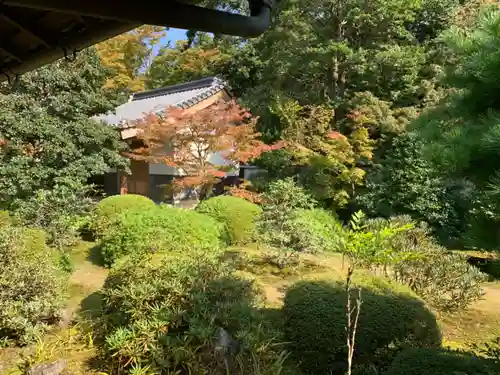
173, 35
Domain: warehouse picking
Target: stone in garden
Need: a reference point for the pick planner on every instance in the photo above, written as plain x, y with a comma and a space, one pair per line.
225, 343
54, 368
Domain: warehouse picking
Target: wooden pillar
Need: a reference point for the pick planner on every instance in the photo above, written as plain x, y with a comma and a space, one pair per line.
123, 183
138, 181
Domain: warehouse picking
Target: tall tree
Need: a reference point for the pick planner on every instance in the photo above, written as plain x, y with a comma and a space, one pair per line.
203, 145
46, 134
462, 135
372, 65
127, 55
324, 160
182, 63
405, 183
323, 51
178, 65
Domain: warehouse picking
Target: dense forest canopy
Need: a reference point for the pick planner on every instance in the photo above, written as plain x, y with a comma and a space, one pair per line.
386, 106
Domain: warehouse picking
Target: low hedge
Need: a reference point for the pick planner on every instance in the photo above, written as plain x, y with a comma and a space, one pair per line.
111, 207
443, 279
315, 230
418, 361
159, 229
165, 312
32, 286
391, 317
236, 214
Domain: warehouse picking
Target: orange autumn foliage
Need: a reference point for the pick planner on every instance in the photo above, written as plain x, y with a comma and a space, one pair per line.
248, 195
186, 140
127, 54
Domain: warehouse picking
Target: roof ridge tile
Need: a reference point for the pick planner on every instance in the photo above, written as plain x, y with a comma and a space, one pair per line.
173, 89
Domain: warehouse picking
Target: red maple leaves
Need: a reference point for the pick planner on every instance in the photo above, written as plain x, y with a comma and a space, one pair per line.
203, 145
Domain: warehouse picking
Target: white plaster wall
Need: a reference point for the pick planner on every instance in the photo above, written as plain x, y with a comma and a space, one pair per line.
162, 169
215, 158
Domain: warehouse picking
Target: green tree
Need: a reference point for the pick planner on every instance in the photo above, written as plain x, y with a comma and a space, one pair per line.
462, 135
324, 51
336, 78
127, 54
183, 63
47, 137
324, 161
276, 223
404, 183
365, 248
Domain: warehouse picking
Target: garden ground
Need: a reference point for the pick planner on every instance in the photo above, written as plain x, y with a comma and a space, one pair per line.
69, 341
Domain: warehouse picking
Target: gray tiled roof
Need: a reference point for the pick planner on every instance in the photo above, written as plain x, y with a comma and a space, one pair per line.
184, 96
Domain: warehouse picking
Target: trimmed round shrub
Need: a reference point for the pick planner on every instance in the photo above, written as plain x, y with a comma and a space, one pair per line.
315, 230
32, 286
111, 207
391, 317
441, 362
159, 229
178, 312
236, 214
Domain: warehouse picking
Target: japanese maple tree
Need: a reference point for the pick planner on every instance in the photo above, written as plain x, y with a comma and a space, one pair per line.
189, 141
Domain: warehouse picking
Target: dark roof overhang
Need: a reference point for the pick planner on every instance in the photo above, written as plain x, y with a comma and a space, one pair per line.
37, 32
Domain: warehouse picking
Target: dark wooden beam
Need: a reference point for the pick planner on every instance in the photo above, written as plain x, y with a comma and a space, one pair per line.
9, 52
132, 11
82, 40
169, 13
35, 33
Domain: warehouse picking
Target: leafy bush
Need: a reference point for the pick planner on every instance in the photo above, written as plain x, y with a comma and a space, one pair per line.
275, 225
314, 230
372, 247
440, 362
31, 285
416, 238
111, 207
5, 218
489, 349
442, 278
159, 229
238, 216
60, 212
391, 318
166, 313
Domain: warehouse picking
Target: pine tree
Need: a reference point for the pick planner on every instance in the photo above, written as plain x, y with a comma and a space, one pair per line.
462, 135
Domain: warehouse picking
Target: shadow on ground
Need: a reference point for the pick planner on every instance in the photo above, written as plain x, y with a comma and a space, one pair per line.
95, 256
92, 306
487, 264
